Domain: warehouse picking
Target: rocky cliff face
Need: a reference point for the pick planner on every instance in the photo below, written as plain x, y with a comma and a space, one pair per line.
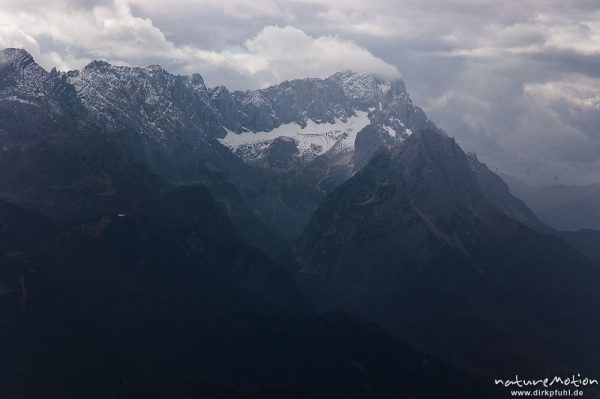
33, 102
160, 105
323, 117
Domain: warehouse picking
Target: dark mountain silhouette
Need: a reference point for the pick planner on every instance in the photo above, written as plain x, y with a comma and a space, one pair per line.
412, 242
172, 304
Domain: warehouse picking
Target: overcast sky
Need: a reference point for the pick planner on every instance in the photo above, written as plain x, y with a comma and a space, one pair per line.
518, 82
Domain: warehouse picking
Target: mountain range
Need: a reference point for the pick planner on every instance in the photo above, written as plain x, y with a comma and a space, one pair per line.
316, 238
567, 207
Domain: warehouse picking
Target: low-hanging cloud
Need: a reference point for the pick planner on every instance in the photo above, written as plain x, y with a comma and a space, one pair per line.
114, 33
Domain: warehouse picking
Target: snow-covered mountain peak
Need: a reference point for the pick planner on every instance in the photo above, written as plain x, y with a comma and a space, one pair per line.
97, 65
196, 81
48, 102
364, 87
219, 91
22, 68
15, 56
147, 99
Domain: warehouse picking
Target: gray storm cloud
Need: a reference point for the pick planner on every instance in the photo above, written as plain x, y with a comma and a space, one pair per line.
516, 82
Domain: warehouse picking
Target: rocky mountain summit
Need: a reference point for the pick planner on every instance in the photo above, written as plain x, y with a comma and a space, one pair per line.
33, 102
322, 116
283, 147
319, 116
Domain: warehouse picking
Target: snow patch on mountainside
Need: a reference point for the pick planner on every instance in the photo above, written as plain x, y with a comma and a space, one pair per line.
19, 100
391, 131
384, 87
312, 140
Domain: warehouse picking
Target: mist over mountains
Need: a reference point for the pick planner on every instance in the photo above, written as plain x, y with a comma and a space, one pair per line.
316, 238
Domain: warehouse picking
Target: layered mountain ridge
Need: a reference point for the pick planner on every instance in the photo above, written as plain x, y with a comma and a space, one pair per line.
395, 222
172, 303
317, 115
285, 146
